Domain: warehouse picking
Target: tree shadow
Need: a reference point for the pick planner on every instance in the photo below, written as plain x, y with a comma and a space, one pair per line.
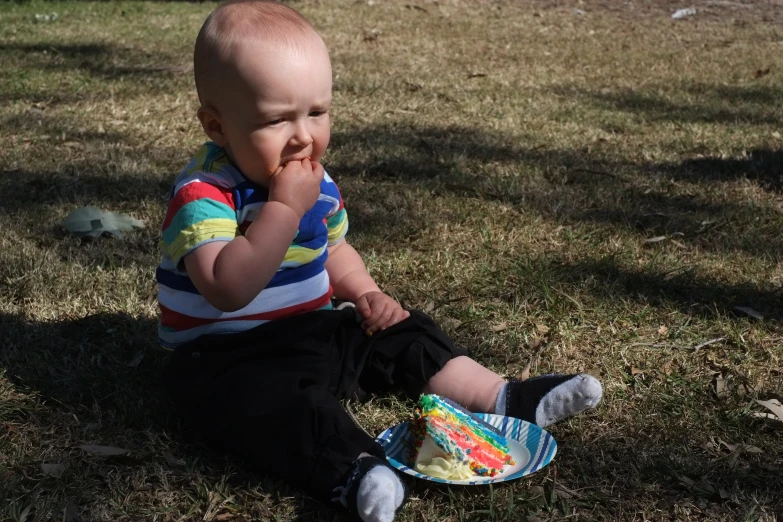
688, 291
672, 469
763, 166
703, 103
98, 381
569, 186
105, 62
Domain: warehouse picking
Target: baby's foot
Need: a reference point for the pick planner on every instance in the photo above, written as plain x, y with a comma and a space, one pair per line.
374, 491
550, 398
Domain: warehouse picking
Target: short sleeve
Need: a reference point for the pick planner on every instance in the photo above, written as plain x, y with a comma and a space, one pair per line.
337, 224
198, 213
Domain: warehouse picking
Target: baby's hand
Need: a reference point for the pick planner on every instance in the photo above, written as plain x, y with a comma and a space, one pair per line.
379, 311
297, 185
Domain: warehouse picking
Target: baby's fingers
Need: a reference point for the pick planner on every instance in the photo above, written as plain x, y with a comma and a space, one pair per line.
318, 170
379, 316
398, 314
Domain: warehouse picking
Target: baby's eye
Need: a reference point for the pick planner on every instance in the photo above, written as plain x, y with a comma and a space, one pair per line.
273, 122
315, 114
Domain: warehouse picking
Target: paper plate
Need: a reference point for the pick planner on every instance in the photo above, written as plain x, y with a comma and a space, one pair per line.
531, 447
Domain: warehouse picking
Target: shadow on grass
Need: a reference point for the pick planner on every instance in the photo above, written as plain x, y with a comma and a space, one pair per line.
570, 187
672, 473
99, 382
762, 166
100, 60
547, 279
691, 292
106, 63
573, 186
91, 395
699, 103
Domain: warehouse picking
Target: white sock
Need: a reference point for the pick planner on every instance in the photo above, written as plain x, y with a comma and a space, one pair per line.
569, 398
548, 399
380, 494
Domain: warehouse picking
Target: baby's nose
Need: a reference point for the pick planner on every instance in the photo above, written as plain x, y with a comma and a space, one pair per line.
302, 136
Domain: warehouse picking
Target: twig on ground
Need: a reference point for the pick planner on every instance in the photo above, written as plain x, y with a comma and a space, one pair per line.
707, 343
680, 347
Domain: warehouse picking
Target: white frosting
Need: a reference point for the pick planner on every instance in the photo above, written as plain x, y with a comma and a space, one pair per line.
433, 461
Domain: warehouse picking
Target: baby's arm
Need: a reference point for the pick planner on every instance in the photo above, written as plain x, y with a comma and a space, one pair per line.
351, 282
231, 274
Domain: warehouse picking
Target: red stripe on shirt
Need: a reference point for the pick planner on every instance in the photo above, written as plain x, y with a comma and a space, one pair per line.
193, 192
179, 322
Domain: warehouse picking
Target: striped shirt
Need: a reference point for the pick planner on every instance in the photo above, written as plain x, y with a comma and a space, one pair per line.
212, 201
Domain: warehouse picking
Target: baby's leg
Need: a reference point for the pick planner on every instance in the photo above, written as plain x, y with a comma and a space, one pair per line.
275, 410
542, 400
418, 357
467, 382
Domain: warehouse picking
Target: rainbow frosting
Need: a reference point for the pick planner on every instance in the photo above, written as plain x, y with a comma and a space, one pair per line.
449, 442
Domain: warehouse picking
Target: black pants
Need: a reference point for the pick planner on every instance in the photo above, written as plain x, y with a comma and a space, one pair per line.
271, 395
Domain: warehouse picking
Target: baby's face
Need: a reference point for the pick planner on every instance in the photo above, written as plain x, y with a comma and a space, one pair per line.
278, 110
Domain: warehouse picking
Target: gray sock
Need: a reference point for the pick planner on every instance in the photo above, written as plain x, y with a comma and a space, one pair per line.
548, 399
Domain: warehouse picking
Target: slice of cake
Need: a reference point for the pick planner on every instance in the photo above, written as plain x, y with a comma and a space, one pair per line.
449, 442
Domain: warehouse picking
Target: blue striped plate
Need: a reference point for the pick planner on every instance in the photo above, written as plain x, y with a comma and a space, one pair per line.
532, 448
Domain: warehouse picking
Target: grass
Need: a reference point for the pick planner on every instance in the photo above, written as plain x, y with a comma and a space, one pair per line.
505, 167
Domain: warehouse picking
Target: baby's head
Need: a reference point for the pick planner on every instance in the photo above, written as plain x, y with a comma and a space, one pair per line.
264, 81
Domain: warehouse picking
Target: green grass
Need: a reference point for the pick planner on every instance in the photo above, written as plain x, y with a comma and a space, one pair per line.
504, 167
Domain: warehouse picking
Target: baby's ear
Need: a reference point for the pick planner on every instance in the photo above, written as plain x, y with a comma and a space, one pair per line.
211, 123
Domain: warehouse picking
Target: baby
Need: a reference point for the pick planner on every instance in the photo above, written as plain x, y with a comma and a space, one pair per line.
254, 251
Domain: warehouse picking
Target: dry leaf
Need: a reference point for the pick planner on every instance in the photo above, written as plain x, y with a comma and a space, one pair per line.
721, 386
71, 512
174, 461
749, 311
767, 416
136, 359
595, 372
537, 343
53, 470
686, 480
666, 368
635, 371
451, 324
774, 406
663, 330
656, 239
153, 295
542, 328
761, 72
730, 447
752, 449
712, 446
429, 307
499, 327
103, 450
564, 492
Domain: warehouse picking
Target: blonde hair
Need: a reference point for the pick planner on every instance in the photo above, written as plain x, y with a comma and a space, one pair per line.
239, 21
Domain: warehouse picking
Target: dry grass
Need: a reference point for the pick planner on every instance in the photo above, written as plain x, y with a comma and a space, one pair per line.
504, 166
